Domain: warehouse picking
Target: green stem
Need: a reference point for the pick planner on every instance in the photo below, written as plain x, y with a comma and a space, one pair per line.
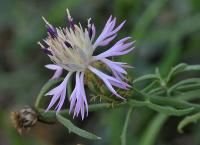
50, 116
155, 100
151, 132
124, 131
150, 86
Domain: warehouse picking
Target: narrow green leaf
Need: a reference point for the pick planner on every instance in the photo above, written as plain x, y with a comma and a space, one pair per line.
190, 95
136, 103
182, 83
146, 77
151, 86
72, 128
188, 87
168, 110
182, 68
169, 101
192, 68
124, 131
151, 132
177, 69
187, 120
161, 79
155, 90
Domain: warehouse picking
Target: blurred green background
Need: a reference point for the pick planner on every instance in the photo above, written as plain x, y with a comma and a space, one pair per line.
166, 33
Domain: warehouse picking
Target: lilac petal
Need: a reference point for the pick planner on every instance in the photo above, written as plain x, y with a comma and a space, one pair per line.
114, 65
81, 104
55, 90
108, 32
122, 86
119, 76
58, 92
57, 74
53, 101
124, 40
82, 113
119, 82
121, 53
77, 106
117, 68
108, 23
116, 74
78, 100
118, 28
83, 92
58, 70
72, 100
80, 108
124, 46
61, 102
75, 95
52, 66
113, 52
106, 79
112, 24
119, 48
108, 84
107, 41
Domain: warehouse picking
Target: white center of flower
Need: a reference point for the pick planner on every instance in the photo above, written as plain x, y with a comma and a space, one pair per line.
71, 48
74, 58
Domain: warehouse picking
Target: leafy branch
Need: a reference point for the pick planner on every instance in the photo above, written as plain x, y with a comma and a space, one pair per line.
162, 94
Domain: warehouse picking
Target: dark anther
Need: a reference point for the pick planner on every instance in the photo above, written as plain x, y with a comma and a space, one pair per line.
52, 31
90, 32
46, 51
45, 45
68, 44
71, 24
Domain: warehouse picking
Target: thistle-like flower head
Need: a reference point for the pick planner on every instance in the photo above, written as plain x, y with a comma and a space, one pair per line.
72, 49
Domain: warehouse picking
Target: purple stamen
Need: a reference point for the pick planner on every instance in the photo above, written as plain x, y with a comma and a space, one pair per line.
90, 32
71, 24
46, 51
45, 45
68, 44
52, 31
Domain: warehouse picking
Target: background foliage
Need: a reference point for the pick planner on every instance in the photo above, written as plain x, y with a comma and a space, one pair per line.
166, 33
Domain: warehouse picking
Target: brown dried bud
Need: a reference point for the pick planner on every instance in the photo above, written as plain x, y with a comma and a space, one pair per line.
24, 119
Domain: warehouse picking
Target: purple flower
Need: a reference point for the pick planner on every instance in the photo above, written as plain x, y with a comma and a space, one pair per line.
72, 49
